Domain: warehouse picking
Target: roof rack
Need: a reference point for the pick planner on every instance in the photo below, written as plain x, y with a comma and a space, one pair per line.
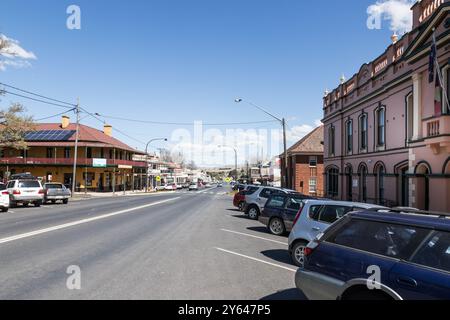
412, 211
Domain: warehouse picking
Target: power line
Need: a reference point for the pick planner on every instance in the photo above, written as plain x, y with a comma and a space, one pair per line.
186, 123
55, 115
37, 95
34, 99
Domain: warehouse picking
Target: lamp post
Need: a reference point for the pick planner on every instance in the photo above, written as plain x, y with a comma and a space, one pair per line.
146, 159
283, 125
235, 159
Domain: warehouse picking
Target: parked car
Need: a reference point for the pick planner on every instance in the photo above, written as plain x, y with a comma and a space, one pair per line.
56, 192
314, 218
280, 211
193, 187
255, 202
25, 191
179, 186
239, 198
170, 187
4, 198
160, 188
186, 185
411, 252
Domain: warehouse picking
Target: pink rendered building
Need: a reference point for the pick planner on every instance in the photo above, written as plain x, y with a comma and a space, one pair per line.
387, 129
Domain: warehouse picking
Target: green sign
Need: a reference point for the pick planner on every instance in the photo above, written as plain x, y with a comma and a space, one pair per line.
99, 163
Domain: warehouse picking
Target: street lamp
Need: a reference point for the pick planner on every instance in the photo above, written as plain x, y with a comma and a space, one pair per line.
146, 160
235, 159
283, 124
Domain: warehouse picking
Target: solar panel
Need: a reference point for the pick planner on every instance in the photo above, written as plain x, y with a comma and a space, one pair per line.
49, 135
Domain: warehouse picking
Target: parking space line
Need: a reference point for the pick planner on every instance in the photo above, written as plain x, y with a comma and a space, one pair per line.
257, 260
78, 222
252, 236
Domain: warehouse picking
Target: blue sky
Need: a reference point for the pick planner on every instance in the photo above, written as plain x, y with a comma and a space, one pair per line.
177, 60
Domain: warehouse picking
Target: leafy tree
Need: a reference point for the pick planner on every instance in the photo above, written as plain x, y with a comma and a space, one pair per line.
14, 125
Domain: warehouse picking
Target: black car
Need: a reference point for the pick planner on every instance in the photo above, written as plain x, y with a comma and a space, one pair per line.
280, 211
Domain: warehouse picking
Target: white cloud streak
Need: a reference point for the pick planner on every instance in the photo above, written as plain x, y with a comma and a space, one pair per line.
398, 12
13, 55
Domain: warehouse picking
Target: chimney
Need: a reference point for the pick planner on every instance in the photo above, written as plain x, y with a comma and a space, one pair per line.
65, 122
394, 38
107, 129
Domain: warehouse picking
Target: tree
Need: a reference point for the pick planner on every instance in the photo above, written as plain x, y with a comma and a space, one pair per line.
191, 165
14, 125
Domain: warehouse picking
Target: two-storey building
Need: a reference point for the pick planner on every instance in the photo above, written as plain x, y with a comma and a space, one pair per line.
103, 162
387, 129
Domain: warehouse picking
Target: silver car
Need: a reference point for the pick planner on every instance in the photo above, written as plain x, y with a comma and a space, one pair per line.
313, 219
56, 192
255, 201
25, 191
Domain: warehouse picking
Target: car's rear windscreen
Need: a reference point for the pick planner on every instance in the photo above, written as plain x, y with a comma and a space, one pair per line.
29, 184
54, 186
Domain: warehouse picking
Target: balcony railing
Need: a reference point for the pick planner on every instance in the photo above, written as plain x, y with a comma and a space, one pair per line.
67, 161
433, 128
437, 126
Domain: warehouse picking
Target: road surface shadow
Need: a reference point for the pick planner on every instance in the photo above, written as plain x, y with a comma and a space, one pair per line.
288, 294
234, 210
279, 255
240, 217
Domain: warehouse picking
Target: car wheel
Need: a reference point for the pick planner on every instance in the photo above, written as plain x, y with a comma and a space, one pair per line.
4, 209
25, 204
38, 204
12, 204
241, 206
53, 201
66, 201
253, 213
276, 227
298, 253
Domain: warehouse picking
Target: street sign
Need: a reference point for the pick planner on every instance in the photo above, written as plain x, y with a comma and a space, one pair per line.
99, 163
158, 179
228, 180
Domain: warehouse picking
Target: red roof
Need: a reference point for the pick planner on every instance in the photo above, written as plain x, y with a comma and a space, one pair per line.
87, 136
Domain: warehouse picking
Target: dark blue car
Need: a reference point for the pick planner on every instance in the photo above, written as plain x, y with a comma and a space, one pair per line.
379, 256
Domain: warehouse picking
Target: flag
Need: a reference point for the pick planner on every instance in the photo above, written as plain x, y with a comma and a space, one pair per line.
437, 96
432, 63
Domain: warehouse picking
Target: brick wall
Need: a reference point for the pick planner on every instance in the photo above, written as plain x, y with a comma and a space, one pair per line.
303, 174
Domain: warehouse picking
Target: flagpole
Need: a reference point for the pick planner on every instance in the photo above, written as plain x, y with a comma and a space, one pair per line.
439, 74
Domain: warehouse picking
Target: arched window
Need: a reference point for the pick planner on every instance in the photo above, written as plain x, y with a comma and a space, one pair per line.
349, 136
381, 126
409, 117
380, 172
363, 132
332, 178
331, 141
362, 172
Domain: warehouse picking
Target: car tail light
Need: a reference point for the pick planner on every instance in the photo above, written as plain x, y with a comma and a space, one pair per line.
16, 191
5, 193
42, 191
298, 216
307, 251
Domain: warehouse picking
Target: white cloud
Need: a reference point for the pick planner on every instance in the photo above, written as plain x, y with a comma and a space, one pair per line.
398, 12
12, 54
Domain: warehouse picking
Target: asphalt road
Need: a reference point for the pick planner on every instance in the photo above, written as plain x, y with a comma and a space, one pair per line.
165, 246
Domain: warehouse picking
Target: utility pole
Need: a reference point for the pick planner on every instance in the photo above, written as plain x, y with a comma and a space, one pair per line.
286, 173
75, 156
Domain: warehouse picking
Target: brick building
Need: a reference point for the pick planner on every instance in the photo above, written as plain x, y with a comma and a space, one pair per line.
387, 128
305, 163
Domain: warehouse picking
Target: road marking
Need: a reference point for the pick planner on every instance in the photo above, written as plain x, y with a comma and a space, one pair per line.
252, 236
83, 221
257, 260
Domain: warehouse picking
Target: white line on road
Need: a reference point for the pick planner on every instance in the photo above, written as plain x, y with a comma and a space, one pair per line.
257, 260
83, 221
252, 236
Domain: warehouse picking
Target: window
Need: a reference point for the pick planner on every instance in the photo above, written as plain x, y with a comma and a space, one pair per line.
330, 214
385, 239
314, 212
89, 177
294, 204
89, 153
381, 126
313, 185
313, 161
102, 153
363, 132
380, 183
66, 153
331, 138
276, 202
363, 183
349, 136
111, 153
332, 182
435, 253
409, 117
29, 184
49, 153
265, 193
